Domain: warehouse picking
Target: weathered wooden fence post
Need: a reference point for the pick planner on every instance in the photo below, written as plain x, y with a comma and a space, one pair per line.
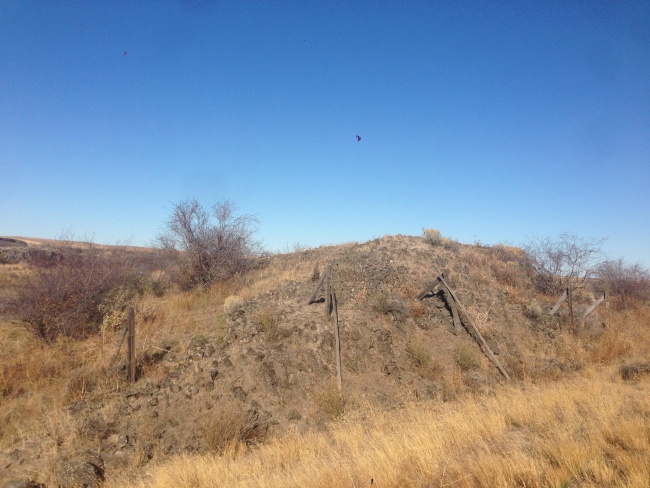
323, 277
559, 302
328, 298
130, 362
337, 341
478, 336
571, 319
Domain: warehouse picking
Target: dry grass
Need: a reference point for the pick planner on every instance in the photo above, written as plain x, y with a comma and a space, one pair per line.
587, 430
573, 433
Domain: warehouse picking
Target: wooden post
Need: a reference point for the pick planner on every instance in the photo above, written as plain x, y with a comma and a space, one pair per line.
326, 273
328, 300
572, 321
130, 362
593, 307
607, 301
429, 288
454, 311
479, 336
559, 302
337, 341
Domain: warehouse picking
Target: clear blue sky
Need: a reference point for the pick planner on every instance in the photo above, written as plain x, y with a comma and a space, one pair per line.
489, 121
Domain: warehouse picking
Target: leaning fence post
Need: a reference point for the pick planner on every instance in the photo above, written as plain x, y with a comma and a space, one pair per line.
130, 362
328, 299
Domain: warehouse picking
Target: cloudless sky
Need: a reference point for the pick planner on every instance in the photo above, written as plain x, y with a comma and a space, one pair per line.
489, 121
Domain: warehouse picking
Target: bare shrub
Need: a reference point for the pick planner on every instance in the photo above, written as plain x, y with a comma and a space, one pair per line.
567, 259
65, 296
208, 247
625, 280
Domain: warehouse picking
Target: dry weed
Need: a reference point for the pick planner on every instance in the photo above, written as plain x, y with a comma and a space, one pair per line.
568, 433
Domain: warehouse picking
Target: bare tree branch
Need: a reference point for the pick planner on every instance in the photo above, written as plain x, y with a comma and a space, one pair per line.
563, 260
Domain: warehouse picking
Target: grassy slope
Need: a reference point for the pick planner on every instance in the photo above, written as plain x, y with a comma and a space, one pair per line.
591, 431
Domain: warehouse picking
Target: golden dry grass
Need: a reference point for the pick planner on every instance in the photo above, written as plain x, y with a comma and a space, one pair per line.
579, 432
591, 430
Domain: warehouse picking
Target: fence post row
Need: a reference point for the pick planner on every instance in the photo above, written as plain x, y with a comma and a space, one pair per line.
568, 293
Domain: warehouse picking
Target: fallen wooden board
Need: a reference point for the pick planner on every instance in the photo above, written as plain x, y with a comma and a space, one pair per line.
484, 344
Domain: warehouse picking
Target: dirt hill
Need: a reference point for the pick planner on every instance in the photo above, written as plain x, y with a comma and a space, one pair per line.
252, 358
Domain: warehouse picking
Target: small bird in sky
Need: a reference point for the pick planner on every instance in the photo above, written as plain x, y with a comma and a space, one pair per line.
125, 53
358, 138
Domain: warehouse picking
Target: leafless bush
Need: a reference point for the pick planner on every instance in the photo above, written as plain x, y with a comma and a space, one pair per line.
63, 296
567, 259
625, 280
208, 247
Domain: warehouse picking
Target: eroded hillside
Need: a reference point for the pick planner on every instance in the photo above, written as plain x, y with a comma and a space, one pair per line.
252, 359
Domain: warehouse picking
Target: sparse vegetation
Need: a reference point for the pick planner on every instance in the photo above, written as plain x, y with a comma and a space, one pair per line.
70, 294
625, 280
